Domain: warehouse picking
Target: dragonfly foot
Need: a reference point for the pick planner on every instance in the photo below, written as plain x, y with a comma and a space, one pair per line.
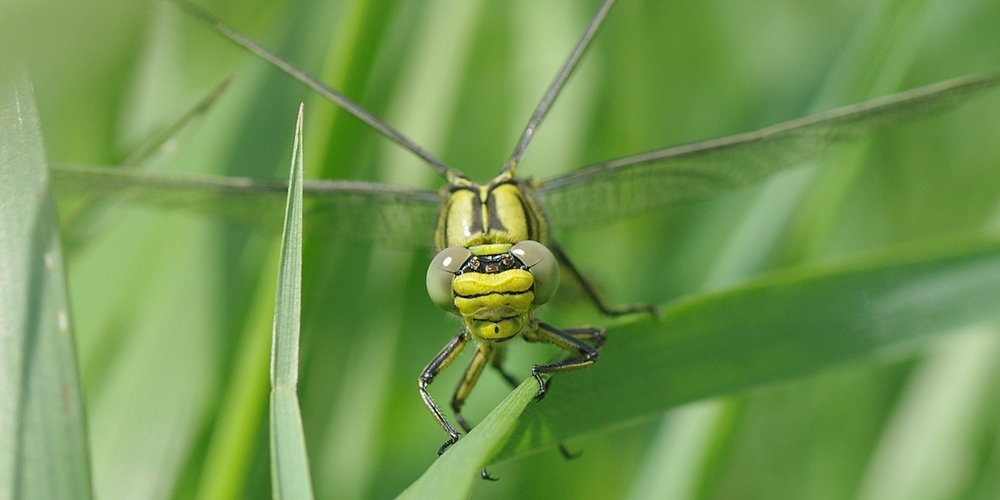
542, 386
568, 455
656, 312
447, 444
483, 473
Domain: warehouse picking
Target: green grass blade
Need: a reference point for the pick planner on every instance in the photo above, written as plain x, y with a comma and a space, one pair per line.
289, 462
784, 327
43, 450
457, 471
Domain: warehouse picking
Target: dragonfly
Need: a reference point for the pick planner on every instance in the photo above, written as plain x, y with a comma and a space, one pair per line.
504, 226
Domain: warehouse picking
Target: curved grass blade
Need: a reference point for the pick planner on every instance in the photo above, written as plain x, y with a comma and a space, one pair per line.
780, 328
636, 184
43, 447
289, 461
392, 215
455, 473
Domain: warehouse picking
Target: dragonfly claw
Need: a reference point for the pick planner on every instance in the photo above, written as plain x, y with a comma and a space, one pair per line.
542, 386
447, 444
568, 455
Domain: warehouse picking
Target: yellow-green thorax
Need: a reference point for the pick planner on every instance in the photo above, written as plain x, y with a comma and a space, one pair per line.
499, 212
495, 302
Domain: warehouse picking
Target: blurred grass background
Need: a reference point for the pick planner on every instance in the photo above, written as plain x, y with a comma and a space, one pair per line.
172, 311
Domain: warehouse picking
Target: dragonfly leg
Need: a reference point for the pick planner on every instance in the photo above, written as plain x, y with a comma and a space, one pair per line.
584, 354
483, 354
439, 363
596, 335
592, 293
496, 361
472, 372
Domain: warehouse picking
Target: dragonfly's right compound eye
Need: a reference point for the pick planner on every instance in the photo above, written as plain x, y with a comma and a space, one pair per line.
440, 274
543, 265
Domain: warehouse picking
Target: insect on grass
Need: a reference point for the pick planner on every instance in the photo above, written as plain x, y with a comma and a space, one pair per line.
497, 262
619, 188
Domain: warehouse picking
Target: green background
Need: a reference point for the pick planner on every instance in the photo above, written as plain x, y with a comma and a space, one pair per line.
172, 311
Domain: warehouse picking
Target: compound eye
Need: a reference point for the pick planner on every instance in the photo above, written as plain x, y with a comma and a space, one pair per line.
543, 266
440, 274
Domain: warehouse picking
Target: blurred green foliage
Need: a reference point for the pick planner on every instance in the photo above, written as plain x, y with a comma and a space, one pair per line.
170, 310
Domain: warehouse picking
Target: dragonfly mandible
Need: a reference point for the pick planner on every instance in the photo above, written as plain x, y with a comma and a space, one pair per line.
607, 190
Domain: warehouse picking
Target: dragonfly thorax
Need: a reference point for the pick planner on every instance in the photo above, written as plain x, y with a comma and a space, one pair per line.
497, 213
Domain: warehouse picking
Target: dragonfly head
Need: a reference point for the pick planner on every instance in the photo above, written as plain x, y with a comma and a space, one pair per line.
493, 288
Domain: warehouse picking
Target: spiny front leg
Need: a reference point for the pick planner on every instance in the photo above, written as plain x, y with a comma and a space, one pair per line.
483, 354
439, 363
468, 381
584, 354
595, 335
497, 361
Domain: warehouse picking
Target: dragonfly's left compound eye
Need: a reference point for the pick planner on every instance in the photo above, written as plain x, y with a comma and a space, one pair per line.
543, 266
440, 274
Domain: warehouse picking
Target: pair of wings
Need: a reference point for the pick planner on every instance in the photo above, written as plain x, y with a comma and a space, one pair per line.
598, 193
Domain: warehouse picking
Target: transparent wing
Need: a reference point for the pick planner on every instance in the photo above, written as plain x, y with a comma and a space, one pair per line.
635, 184
382, 213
